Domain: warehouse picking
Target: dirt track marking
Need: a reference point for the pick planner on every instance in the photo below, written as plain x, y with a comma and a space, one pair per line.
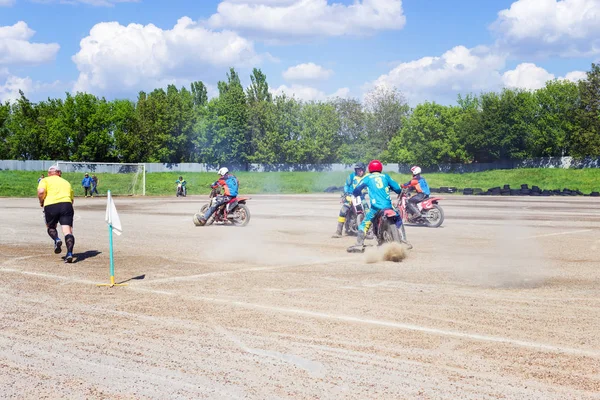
557, 234
235, 271
344, 318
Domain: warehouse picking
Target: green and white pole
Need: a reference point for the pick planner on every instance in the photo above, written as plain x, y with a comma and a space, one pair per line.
111, 250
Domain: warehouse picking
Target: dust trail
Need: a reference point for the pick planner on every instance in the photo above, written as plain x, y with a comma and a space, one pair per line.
512, 258
255, 246
394, 252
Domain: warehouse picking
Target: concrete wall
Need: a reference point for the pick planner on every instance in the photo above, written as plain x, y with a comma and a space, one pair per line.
555, 162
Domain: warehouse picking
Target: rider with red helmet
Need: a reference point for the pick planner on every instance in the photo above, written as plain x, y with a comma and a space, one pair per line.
379, 185
422, 188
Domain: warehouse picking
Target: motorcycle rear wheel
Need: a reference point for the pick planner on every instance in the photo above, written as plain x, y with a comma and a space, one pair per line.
241, 215
434, 217
390, 234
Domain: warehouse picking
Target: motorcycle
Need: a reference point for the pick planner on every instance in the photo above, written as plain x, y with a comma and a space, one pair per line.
386, 230
181, 189
354, 215
431, 213
235, 212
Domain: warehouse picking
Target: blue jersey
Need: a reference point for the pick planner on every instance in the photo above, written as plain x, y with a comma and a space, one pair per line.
379, 186
351, 182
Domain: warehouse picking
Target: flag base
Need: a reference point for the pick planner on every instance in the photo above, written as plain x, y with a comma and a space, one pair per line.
112, 283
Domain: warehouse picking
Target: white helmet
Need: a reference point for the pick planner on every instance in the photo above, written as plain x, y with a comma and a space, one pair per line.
416, 170
223, 171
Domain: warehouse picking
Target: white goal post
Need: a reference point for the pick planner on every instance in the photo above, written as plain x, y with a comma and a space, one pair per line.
121, 178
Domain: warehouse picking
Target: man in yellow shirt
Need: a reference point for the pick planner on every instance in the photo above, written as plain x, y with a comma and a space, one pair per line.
56, 196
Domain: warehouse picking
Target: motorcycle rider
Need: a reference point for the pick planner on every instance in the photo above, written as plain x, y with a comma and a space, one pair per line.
181, 182
351, 182
230, 185
378, 185
422, 188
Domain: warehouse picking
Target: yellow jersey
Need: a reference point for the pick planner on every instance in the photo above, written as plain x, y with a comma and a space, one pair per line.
58, 190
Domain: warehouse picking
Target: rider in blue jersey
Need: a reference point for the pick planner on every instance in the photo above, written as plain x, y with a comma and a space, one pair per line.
351, 182
379, 185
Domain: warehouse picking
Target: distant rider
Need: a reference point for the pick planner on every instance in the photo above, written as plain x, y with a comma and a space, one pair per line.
379, 185
230, 185
420, 185
351, 182
181, 182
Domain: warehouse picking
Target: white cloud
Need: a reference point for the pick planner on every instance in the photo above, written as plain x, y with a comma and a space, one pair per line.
116, 58
33, 90
15, 47
307, 93
459, 70
550, 27
530, 76
308, 18
9, 90
526, 76
576, 76
307, 72
6, 3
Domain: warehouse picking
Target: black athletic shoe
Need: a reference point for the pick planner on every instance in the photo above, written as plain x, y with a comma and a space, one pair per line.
69, 258
57, 246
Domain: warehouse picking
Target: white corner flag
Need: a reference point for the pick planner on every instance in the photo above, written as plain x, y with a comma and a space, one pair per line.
112, 218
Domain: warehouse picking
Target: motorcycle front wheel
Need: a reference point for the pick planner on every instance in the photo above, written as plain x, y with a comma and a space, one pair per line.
212, 217
434, 217
241, 215
352, 222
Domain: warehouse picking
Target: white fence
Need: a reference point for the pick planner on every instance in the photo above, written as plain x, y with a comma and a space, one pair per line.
551, 162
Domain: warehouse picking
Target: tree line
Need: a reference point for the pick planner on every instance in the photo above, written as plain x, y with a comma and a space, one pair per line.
253, 126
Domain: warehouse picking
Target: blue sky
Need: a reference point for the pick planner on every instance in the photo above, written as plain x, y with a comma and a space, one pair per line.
313, 49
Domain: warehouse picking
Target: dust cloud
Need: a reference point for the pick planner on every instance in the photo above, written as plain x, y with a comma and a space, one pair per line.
394, 252
509, 258
253, 245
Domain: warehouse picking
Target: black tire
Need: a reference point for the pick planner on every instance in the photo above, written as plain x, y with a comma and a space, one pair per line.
351, 224
241, 215
434, 217
390, 234
212, 217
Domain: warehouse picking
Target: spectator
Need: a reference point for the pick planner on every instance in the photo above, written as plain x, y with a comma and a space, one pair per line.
86, 182
40, 178
94, 185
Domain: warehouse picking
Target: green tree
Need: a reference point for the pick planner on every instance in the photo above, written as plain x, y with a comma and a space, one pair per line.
556, 119
429, 136
258, 91
129, 146
25, 140
199, 93
352, 132
4, 118
587, 140
386, 110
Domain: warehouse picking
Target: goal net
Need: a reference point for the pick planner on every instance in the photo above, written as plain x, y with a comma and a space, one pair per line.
120, 178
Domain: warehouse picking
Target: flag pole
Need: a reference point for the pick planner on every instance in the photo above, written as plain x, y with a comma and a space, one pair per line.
112, 259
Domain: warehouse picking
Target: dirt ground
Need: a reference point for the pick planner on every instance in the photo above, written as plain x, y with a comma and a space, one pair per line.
503, 301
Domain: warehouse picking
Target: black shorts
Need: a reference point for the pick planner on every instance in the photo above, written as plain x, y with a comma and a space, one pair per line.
59, 212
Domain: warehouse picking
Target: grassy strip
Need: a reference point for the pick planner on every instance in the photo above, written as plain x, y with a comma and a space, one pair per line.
24, 183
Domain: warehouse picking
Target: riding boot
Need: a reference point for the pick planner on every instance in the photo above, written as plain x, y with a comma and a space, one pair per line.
338, 232
413, 210
359, 247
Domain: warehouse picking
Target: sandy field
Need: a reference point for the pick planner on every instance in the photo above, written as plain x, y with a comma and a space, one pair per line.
501, 302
